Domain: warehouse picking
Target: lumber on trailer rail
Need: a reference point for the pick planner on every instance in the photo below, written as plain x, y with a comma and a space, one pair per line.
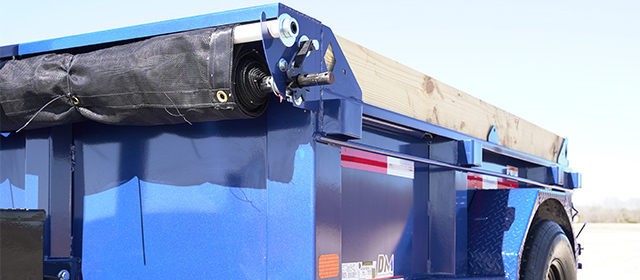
390, 85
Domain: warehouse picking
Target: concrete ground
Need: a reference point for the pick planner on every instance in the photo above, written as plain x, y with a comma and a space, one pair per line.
611, 251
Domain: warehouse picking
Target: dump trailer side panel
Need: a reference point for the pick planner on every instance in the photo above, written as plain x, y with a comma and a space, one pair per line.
227, 199
325, 184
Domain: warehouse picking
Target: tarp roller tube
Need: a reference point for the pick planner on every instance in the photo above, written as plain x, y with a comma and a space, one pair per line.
285, 27
183, 77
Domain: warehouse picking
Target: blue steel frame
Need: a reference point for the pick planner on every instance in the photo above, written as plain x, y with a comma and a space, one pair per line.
142, 31
155, 198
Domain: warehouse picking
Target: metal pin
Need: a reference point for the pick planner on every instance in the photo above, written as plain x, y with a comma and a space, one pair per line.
315, 79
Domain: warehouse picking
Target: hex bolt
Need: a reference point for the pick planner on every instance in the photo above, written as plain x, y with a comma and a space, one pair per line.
64, 275
282, 64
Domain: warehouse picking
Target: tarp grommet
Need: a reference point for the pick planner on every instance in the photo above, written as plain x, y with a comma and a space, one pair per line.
222, 96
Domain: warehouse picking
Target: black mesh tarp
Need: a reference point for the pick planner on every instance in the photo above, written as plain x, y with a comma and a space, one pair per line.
161, 80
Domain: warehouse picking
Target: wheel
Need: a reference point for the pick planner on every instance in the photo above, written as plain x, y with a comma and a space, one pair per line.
547, 254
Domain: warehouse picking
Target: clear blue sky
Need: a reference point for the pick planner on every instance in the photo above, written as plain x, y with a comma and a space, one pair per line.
571, 67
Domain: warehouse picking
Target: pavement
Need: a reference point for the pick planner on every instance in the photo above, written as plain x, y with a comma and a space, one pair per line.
611, 251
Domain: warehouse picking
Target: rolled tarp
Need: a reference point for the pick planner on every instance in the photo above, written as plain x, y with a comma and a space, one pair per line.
175, 78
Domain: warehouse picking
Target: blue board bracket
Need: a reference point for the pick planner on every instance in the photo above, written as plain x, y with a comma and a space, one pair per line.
493, 135
469, 153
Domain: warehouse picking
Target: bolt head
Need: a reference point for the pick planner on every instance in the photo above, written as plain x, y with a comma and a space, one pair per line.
282, 64
297, 100
64, 274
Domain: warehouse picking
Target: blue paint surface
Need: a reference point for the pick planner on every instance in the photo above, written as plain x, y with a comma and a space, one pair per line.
524, 201
382, 213
486, 224
11, 196
203, 232
112, 233
291, 221
31, 183
151, 29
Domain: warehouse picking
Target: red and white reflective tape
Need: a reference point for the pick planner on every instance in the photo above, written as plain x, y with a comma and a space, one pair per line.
486, 182
361, 160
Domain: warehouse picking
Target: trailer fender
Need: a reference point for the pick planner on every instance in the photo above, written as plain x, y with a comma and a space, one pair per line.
530, 206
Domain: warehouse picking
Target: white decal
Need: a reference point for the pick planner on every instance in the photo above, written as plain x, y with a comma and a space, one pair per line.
400, 167
381, 268
489, 182
385, 266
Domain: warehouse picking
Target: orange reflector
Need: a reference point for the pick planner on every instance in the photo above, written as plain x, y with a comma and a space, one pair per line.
328, 266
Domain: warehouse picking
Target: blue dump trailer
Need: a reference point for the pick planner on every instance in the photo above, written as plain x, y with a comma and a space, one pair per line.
237, 145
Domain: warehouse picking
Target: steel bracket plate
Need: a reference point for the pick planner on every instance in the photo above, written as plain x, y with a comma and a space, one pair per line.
562, 155
469, 153
493, 137
279, 56
342, 117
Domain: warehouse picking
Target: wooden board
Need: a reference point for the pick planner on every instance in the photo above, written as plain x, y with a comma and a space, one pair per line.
390, 85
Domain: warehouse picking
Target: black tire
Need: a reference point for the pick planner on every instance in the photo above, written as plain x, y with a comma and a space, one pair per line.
547, 254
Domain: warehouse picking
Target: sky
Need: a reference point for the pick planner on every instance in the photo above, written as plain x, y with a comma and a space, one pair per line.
571, 67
